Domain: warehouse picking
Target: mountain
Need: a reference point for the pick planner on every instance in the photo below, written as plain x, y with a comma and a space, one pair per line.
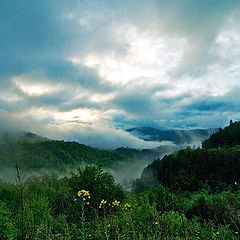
31, 151
177, 136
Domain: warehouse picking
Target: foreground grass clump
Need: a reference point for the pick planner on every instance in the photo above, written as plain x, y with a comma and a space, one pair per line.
90, 205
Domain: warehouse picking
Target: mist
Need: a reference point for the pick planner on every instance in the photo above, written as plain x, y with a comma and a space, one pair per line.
127, 172
98, 135
124, 173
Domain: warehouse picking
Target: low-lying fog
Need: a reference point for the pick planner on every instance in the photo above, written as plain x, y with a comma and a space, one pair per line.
125, 172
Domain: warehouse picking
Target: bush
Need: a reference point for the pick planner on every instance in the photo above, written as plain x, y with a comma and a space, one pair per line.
99, 183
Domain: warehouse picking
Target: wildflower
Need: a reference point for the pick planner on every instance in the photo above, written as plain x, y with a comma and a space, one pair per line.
102, 202
83, 193
156, 223
116, 203
75, 199
127, 207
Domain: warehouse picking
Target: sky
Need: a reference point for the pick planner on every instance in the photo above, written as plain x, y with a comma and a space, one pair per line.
86, 70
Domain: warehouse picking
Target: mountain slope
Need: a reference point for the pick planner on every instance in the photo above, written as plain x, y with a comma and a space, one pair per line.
227, 137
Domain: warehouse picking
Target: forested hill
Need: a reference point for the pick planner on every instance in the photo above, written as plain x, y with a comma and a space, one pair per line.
53, 154
227, 137
215, 166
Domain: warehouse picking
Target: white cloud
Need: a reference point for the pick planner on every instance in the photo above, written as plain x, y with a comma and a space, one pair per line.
147, 57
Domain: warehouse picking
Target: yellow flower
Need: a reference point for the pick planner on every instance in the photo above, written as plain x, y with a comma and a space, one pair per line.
127, 207
75, 199
116, 203
83, 193
102, 202
156, 223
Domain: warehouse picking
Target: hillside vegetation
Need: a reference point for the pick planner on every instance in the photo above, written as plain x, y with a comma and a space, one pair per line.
188, 195
227, 137
54, 154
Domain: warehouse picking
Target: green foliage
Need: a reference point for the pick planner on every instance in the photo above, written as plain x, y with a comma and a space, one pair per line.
50, 211
145, 222
219, 208
7, 228
38, 221
10, 195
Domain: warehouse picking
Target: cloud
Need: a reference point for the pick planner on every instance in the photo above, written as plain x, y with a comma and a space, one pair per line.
100, 134
82, 66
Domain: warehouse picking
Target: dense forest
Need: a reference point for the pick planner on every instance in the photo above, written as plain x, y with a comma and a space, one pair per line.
190, 194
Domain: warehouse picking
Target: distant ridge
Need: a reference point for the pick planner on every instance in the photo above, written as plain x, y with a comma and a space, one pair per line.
6, 137
176, 136
32, 152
